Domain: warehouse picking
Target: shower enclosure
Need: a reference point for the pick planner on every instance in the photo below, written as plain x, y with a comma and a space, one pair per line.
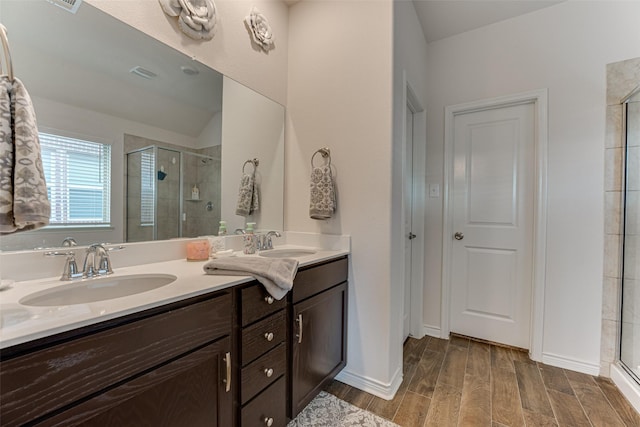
171, 193
630, 325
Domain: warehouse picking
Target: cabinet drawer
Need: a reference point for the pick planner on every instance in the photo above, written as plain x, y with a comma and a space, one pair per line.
45, 380
258, 303
255, 338
262, 372
271, 403
319, 278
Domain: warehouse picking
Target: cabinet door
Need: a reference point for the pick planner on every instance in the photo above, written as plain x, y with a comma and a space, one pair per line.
319, 344
190, 391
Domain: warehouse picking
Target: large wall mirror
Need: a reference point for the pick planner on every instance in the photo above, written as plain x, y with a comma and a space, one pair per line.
179, 132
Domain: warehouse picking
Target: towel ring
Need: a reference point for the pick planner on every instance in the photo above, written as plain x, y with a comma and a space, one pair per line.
326, 154
254, 162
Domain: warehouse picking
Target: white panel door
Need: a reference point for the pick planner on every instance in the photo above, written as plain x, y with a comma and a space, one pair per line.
492, 251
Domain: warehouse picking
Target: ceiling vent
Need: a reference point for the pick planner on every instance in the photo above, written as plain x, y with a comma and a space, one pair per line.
68, 5
143, 72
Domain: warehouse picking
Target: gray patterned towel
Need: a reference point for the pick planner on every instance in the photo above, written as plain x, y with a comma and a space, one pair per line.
323, 196
24, 204
247, 195
275, 274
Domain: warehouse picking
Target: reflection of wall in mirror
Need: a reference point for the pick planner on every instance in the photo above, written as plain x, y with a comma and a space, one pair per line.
252, 127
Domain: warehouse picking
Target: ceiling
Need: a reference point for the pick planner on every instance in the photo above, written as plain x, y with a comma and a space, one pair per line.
445, 18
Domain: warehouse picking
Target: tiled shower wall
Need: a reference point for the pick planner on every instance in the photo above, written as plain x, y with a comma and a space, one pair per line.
622, 78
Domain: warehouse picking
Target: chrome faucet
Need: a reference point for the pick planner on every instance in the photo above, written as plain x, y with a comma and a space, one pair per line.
267, 242
239, 231
96, 261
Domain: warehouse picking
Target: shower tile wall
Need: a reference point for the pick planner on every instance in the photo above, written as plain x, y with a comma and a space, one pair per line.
205, 173
622, 78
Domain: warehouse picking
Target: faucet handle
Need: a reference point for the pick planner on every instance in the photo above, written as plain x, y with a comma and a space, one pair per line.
70, 271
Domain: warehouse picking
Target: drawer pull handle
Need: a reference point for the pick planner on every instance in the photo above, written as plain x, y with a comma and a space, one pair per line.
269, 300
268, 372
268, 421
227, 380
299, 320
269, 336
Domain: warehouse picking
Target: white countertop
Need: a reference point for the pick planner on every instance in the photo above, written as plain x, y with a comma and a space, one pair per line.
20, 323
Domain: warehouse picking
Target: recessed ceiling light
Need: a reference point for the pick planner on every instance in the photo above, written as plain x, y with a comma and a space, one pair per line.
189, 71
143, 72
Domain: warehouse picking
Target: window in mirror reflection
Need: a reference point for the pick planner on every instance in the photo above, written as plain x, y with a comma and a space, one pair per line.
78, 175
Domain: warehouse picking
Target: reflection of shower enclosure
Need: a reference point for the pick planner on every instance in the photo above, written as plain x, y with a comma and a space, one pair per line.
160, 201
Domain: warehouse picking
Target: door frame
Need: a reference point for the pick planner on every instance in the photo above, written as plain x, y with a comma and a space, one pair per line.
539, 99
411, 99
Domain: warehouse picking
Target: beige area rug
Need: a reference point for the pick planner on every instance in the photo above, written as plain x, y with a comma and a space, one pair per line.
326, 410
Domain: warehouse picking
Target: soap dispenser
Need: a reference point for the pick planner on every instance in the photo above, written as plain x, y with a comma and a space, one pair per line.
250, 239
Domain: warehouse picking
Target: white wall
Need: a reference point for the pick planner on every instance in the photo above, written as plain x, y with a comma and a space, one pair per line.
563, 48
339, 96
230, 51
409, 68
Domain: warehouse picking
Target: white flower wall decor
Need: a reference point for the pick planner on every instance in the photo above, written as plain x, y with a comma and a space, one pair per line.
260, 30
196, 18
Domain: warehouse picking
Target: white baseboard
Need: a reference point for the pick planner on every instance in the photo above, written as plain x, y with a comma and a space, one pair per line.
372, 386
571, 364
432, 331
627, 386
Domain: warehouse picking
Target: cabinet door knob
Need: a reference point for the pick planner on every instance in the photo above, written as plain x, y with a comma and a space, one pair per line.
269, 336
269, 300
268, 372
268, 421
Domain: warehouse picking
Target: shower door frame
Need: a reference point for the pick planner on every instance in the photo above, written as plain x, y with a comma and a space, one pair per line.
625, 176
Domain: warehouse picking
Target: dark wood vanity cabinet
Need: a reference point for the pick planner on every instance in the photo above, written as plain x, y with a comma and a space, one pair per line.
236, 357
165, 366
263, 358
318, 330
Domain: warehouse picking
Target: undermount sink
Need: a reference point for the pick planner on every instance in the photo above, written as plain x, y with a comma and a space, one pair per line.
286, 253
99, 289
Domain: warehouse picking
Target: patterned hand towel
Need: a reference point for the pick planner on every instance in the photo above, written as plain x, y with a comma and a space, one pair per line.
247, 195
24, 204
323, 195
276, 275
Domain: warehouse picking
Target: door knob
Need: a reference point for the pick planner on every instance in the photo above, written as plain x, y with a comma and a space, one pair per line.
458, 235
412, 236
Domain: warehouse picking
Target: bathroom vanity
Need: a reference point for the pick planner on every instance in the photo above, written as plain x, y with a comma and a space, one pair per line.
232, 356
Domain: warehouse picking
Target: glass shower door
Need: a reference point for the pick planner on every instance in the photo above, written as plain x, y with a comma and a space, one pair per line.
630, 325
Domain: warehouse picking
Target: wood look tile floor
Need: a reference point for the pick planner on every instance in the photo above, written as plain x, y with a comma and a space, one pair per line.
461, 382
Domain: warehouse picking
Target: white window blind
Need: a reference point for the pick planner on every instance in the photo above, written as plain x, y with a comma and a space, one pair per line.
147, 187
78, 175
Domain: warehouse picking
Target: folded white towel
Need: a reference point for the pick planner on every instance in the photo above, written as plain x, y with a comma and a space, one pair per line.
247, 195
275, 274
323, 197
24, 203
